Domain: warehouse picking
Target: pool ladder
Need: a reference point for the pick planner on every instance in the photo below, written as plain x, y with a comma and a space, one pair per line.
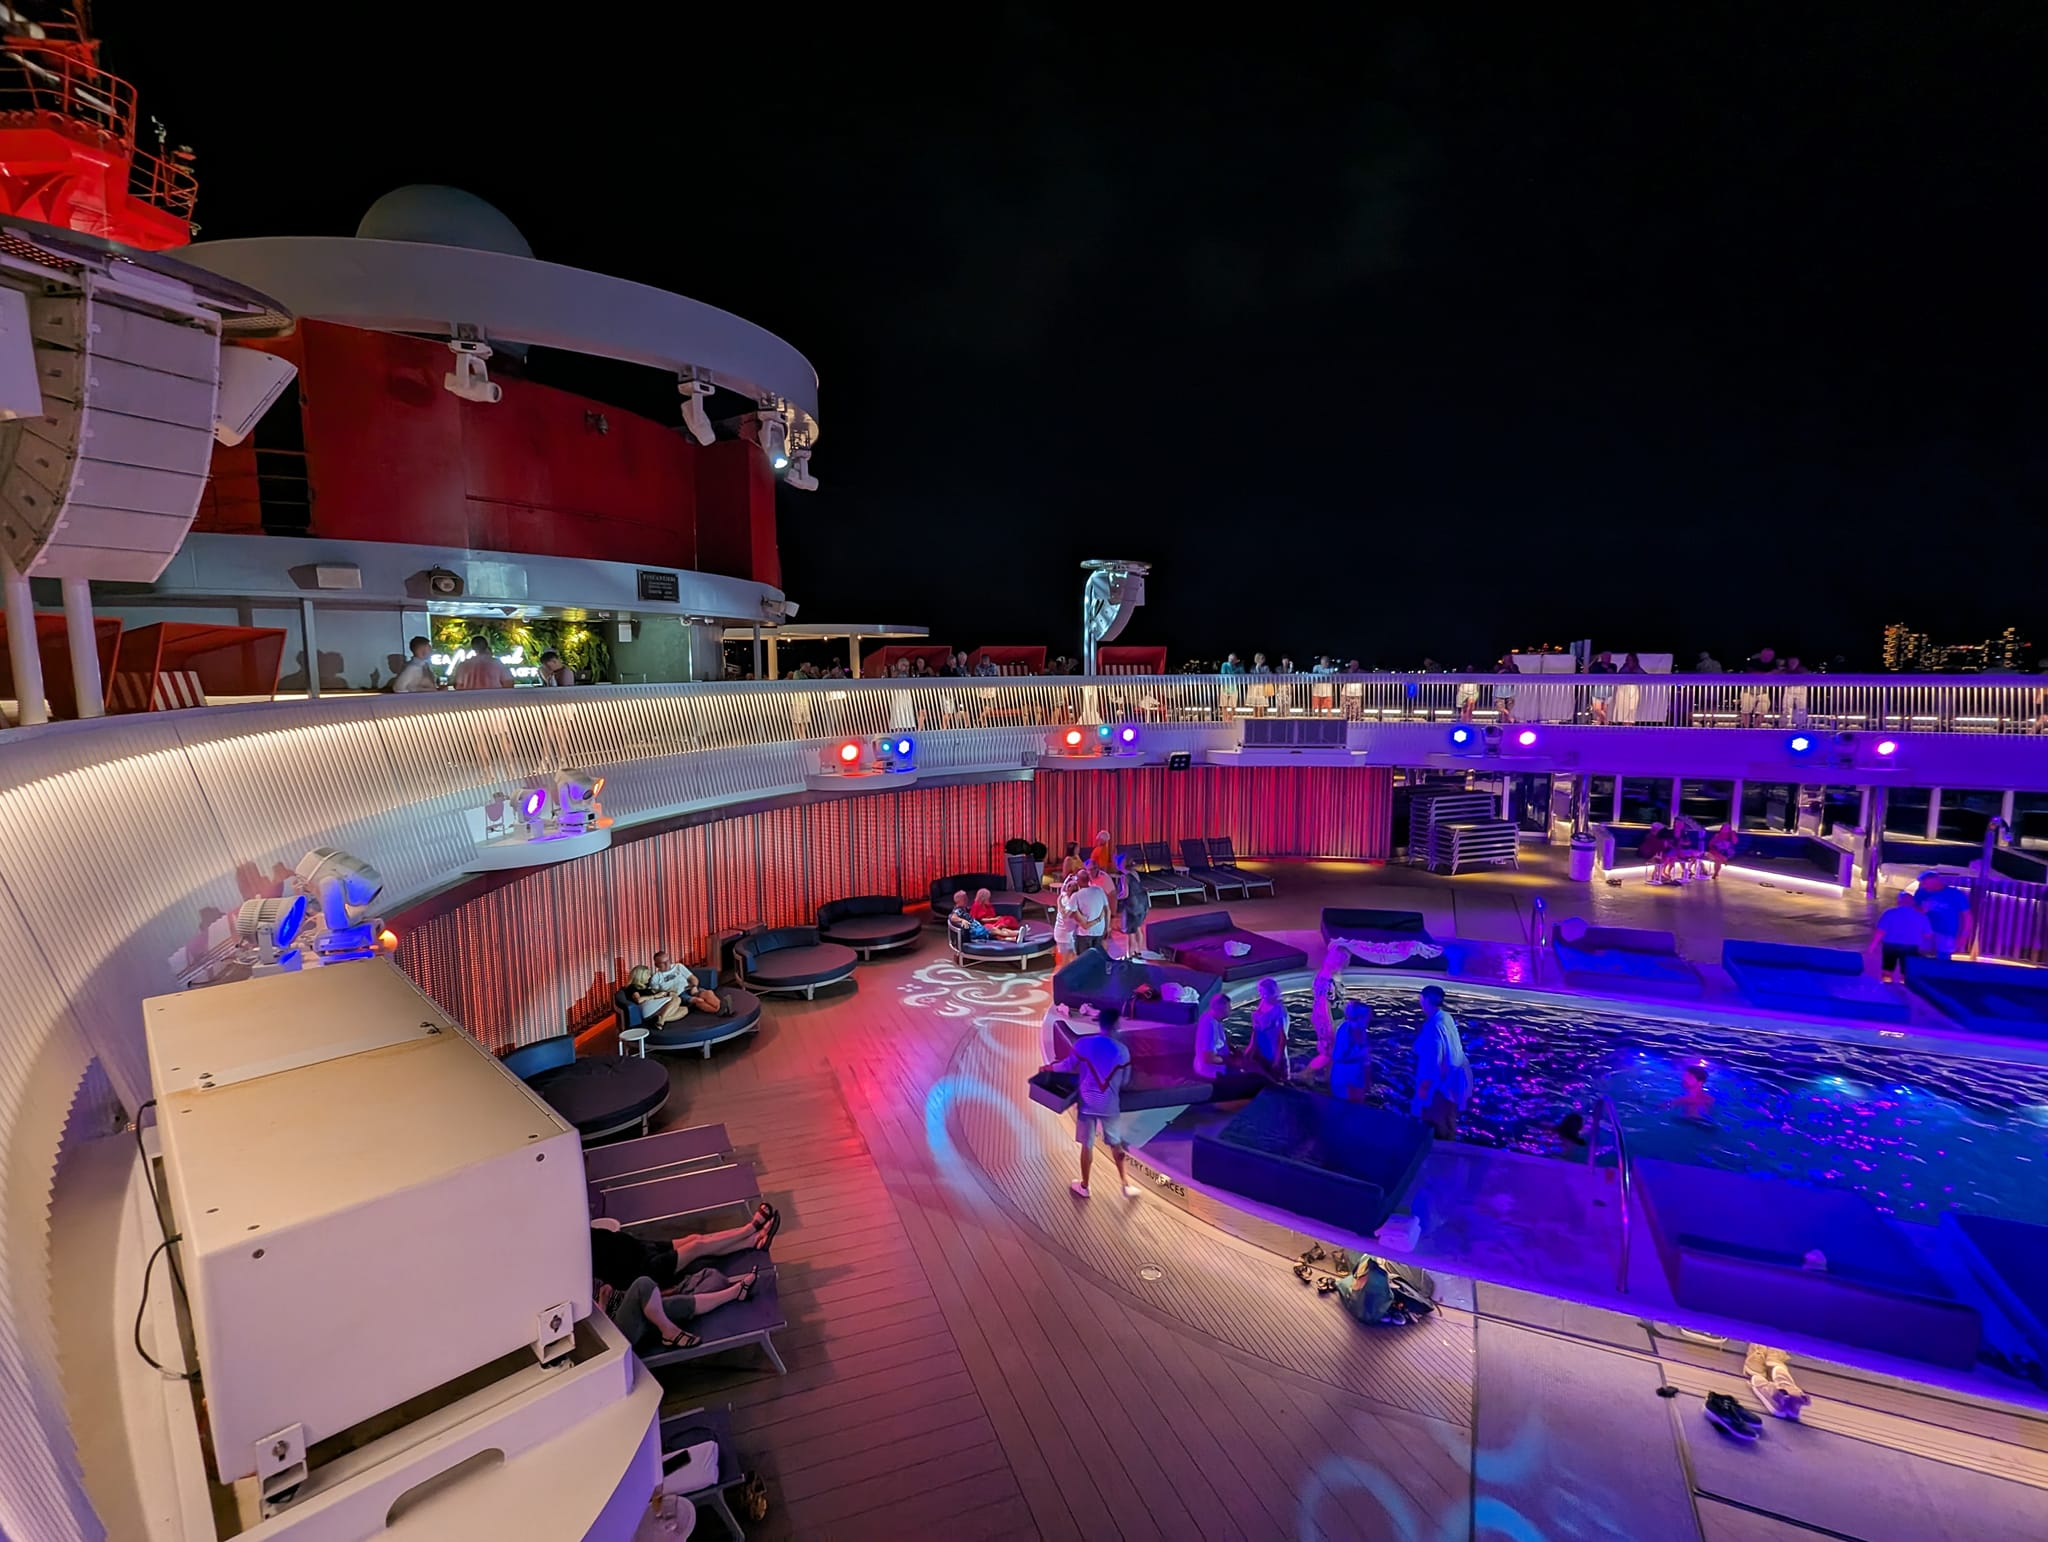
1604, 1113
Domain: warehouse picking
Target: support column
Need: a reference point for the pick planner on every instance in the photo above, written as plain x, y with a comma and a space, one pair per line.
2005, 813
1735, 805
853, 657
1614, 813
774, 661
85, 648
311, 635
1873, 840
1677, 797
21, 647
1933, 813
757, 650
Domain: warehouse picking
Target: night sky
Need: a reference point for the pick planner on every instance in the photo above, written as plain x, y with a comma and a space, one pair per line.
1677, 331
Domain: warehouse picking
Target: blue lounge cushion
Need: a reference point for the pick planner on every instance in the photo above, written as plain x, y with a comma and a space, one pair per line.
870, 931
1347, 1164
1096, 980
1199, 942
1736, 1245
2010, 1260
603, 1092
818, 963
1618, 955
1829, 981
1036, 937
943, 889
700, 1028
2002, 999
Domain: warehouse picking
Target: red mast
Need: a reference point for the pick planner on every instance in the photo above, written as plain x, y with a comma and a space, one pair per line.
68, 155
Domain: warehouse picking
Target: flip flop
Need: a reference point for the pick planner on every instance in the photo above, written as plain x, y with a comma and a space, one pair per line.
684, 1339
769, 1227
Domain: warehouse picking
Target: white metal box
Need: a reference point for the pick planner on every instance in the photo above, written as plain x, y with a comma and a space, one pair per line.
370, 1204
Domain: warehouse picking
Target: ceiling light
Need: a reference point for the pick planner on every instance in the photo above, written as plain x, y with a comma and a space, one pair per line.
774, 438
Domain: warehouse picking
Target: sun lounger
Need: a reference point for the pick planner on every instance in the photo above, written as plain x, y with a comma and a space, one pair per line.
1194, 853
707, 1426
1224, 856
733, 1326
667, 1199
655, 1156
1162, 880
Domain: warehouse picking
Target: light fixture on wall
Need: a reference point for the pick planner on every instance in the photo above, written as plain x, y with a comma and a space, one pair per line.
343, 888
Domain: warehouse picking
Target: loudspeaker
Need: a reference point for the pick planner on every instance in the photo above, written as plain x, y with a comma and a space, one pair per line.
250, 381
21, 392
1179, 760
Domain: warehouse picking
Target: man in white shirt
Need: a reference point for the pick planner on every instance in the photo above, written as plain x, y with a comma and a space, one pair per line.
1090, 903
483, 670
1443, 1076
676, 980
1100, 1063
418, 674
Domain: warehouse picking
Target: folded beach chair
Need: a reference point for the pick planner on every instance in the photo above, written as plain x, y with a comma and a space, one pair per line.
1161, 881
1194, 853
655, 1156
644, 1203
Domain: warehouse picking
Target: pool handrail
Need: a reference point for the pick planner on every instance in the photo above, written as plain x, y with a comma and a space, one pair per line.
1605, 1111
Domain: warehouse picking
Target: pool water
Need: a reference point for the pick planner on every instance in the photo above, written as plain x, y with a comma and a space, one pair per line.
1914, 1133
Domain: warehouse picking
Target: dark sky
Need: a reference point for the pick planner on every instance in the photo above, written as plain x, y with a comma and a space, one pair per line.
1706, 330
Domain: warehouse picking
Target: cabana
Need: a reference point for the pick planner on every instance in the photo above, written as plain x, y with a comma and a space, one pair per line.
53, 643
1128, 660
170, 664
877, 662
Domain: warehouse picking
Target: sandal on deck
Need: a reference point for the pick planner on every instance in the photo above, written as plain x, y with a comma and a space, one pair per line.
768, 1228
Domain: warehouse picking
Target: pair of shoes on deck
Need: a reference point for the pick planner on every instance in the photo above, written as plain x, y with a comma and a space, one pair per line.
1781, 1396
1731, 1418
1080, 1190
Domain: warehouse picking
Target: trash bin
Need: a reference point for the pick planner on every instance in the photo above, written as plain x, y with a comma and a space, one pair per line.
1020, 873
1582, 859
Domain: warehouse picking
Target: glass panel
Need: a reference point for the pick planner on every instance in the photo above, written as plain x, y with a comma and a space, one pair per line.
1841, 808
1770, 806
1708, 802
1905, 811
1966, 813
2030, 818
1645, 800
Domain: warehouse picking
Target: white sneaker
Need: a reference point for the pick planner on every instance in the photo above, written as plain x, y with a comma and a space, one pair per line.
1130, 1191
1079, 1188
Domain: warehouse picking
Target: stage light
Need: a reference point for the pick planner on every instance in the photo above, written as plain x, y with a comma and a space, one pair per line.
849, 753
388, 940
775, 438
1526, 738
1073, 738
535, 800
1799, 744
1102, 730
282, 919
1127, 735
345, 887
905, 748
1887, 747
1462, 736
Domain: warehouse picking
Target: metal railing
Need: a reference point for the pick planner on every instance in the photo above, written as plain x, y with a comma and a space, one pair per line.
58, 78
1604, 1112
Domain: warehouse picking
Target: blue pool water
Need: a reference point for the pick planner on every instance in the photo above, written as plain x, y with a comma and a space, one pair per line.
1914, 1133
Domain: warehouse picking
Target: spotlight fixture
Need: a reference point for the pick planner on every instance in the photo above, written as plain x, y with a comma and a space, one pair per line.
799, 474
1887, 747
895, 747
271, 923
533, 802
1800, 744
345, 887
1127, 736
1526, 739
1072, 738
576, 805
1462, 736
848, 753
696, 391
774, 436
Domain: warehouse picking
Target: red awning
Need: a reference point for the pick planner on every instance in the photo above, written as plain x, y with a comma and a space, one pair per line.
1011, 661
1130, 661
182, 663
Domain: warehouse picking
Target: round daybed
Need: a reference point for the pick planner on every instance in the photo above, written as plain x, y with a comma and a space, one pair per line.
943, 890
1033, 941
783, 960
868, 924
599, 1094
701, 1030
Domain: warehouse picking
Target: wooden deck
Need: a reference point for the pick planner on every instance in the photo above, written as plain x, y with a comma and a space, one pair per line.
973, 1353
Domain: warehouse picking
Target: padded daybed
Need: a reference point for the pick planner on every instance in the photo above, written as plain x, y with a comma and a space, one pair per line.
997, 884
2003, 999
694, 1030
1622, 957
1403, 941
1162, 1071
1346, 1164
787, 959
2009, 1259
1197, 942
868, 924
708, 1426
1827, 981
1735, 1246
1096, 980
1033, 941
599, 1094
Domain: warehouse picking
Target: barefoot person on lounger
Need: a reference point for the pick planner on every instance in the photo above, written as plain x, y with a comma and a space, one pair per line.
645, 1286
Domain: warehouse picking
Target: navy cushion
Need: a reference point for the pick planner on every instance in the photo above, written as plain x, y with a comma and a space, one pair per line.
1160, 934
705, 1028
529, 1060
1344, 1163
1096, 980
1035, 938
859, 905
866, 931
603, 1092
819, 964
943, 889
772, 939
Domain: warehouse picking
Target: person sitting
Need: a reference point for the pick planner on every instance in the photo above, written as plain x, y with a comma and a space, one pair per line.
645, 1286
1212, 1045
678, 981
993, 921
1656, 850
554, 670
656, 1006
1689, 845
1721, 849
1268, 1053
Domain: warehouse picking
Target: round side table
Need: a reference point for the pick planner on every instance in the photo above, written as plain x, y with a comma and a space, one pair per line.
637, 1037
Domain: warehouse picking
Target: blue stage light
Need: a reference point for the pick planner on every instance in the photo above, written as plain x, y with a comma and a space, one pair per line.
1102, 732
905, 747
534, 802
1799, 744
1127, 735
1462, 736
291, 921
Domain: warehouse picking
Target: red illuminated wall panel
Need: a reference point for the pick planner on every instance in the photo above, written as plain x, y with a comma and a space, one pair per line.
542, 954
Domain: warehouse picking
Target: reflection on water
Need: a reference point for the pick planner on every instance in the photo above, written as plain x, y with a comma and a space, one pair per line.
1915, 1133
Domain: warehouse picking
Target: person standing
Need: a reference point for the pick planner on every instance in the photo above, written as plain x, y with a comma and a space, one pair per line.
1212, 1044
482, 670
1351, 1054
1064, 921
1100, 1064
418, 674
1090, 902
1948, 913
1443, 1076
1269, 1033
554, 670
1133, 906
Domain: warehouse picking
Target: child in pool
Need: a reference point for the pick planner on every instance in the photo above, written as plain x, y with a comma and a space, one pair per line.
1695, 1102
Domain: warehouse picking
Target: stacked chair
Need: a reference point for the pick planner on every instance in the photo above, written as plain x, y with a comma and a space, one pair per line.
650, 1186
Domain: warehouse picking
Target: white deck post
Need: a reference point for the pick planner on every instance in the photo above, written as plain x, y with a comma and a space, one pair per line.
85, 648
21, 647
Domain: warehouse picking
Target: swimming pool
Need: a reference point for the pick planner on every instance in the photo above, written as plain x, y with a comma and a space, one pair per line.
1914, 1133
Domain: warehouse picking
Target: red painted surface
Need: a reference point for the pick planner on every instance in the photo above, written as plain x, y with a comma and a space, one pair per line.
877, 662
1011, 661
229, 660
392, 456
53, 645
1124, 659
604, 913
